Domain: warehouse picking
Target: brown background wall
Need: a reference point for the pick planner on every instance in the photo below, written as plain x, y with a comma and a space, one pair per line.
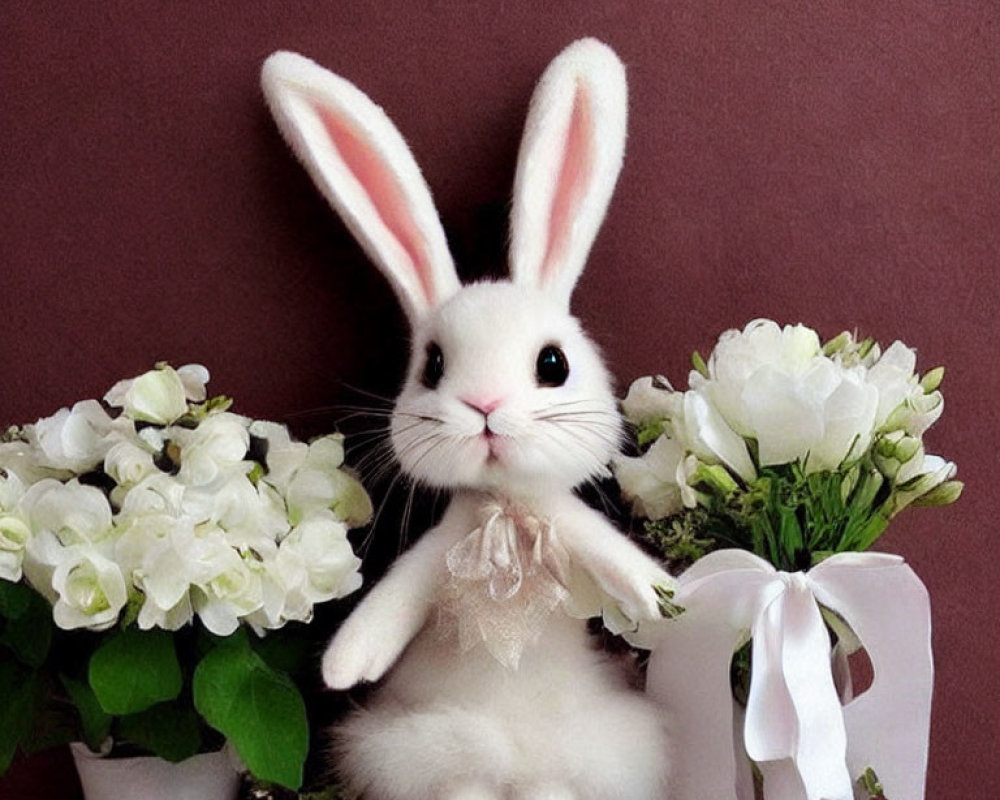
831, 163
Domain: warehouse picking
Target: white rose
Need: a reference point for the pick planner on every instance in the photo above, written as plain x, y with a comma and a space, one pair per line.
233, 589
252, 516
319, 546
284, 456
313, 490
14, 537
157, 493
158, 396
24, 460
218, 444
159, 554
74, 439
90, 589
129, 464
74, 513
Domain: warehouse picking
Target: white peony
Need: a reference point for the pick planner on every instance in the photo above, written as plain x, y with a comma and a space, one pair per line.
740, 355
775, 385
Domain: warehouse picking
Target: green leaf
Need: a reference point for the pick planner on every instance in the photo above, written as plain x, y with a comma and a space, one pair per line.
134, 670
167, 730
257, 708
19, 689
14, 599
28, 628
699, 363
94, 720
649, 431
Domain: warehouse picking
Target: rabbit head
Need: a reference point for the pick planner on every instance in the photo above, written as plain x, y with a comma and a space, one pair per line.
504, 389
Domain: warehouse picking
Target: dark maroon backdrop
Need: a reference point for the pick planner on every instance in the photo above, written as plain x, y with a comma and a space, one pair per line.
831, 163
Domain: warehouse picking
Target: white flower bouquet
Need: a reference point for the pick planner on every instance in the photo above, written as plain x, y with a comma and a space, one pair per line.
784, 446
800, 453
123, 522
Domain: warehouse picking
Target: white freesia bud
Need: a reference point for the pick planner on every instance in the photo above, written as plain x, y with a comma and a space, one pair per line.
91, 590
157, 396
217, 445
917, 412
73, 439
128, 464
650, 399
933, 472
893, 376
899, 457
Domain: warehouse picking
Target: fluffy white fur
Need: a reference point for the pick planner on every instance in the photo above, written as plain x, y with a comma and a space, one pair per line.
457, 725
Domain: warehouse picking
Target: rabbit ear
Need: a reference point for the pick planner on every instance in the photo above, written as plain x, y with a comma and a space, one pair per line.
570, 157
363, 167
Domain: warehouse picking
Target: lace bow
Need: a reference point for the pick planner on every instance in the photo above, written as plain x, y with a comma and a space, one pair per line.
504, 580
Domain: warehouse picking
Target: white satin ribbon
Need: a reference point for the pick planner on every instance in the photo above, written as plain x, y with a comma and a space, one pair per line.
807, 745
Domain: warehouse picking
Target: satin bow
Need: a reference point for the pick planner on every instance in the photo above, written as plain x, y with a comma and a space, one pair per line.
807, 745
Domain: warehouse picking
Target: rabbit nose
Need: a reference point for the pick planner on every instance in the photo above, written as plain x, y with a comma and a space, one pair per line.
482, 405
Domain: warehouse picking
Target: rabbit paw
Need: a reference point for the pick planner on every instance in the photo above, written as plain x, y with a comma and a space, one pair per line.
354, 656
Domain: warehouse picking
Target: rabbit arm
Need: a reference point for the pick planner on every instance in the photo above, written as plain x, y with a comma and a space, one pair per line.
618, 567
376, 633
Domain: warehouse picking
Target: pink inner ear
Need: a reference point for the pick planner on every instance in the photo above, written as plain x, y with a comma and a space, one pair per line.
384, 191
574, 175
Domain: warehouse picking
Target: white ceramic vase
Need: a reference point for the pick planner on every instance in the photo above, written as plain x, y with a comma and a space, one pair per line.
207, 776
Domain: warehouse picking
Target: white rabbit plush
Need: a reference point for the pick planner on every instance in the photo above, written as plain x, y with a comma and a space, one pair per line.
494, 689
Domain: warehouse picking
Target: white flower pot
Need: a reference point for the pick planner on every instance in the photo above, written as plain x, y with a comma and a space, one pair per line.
207, 776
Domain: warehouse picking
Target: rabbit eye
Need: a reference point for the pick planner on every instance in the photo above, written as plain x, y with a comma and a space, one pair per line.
433, 366
551, 369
